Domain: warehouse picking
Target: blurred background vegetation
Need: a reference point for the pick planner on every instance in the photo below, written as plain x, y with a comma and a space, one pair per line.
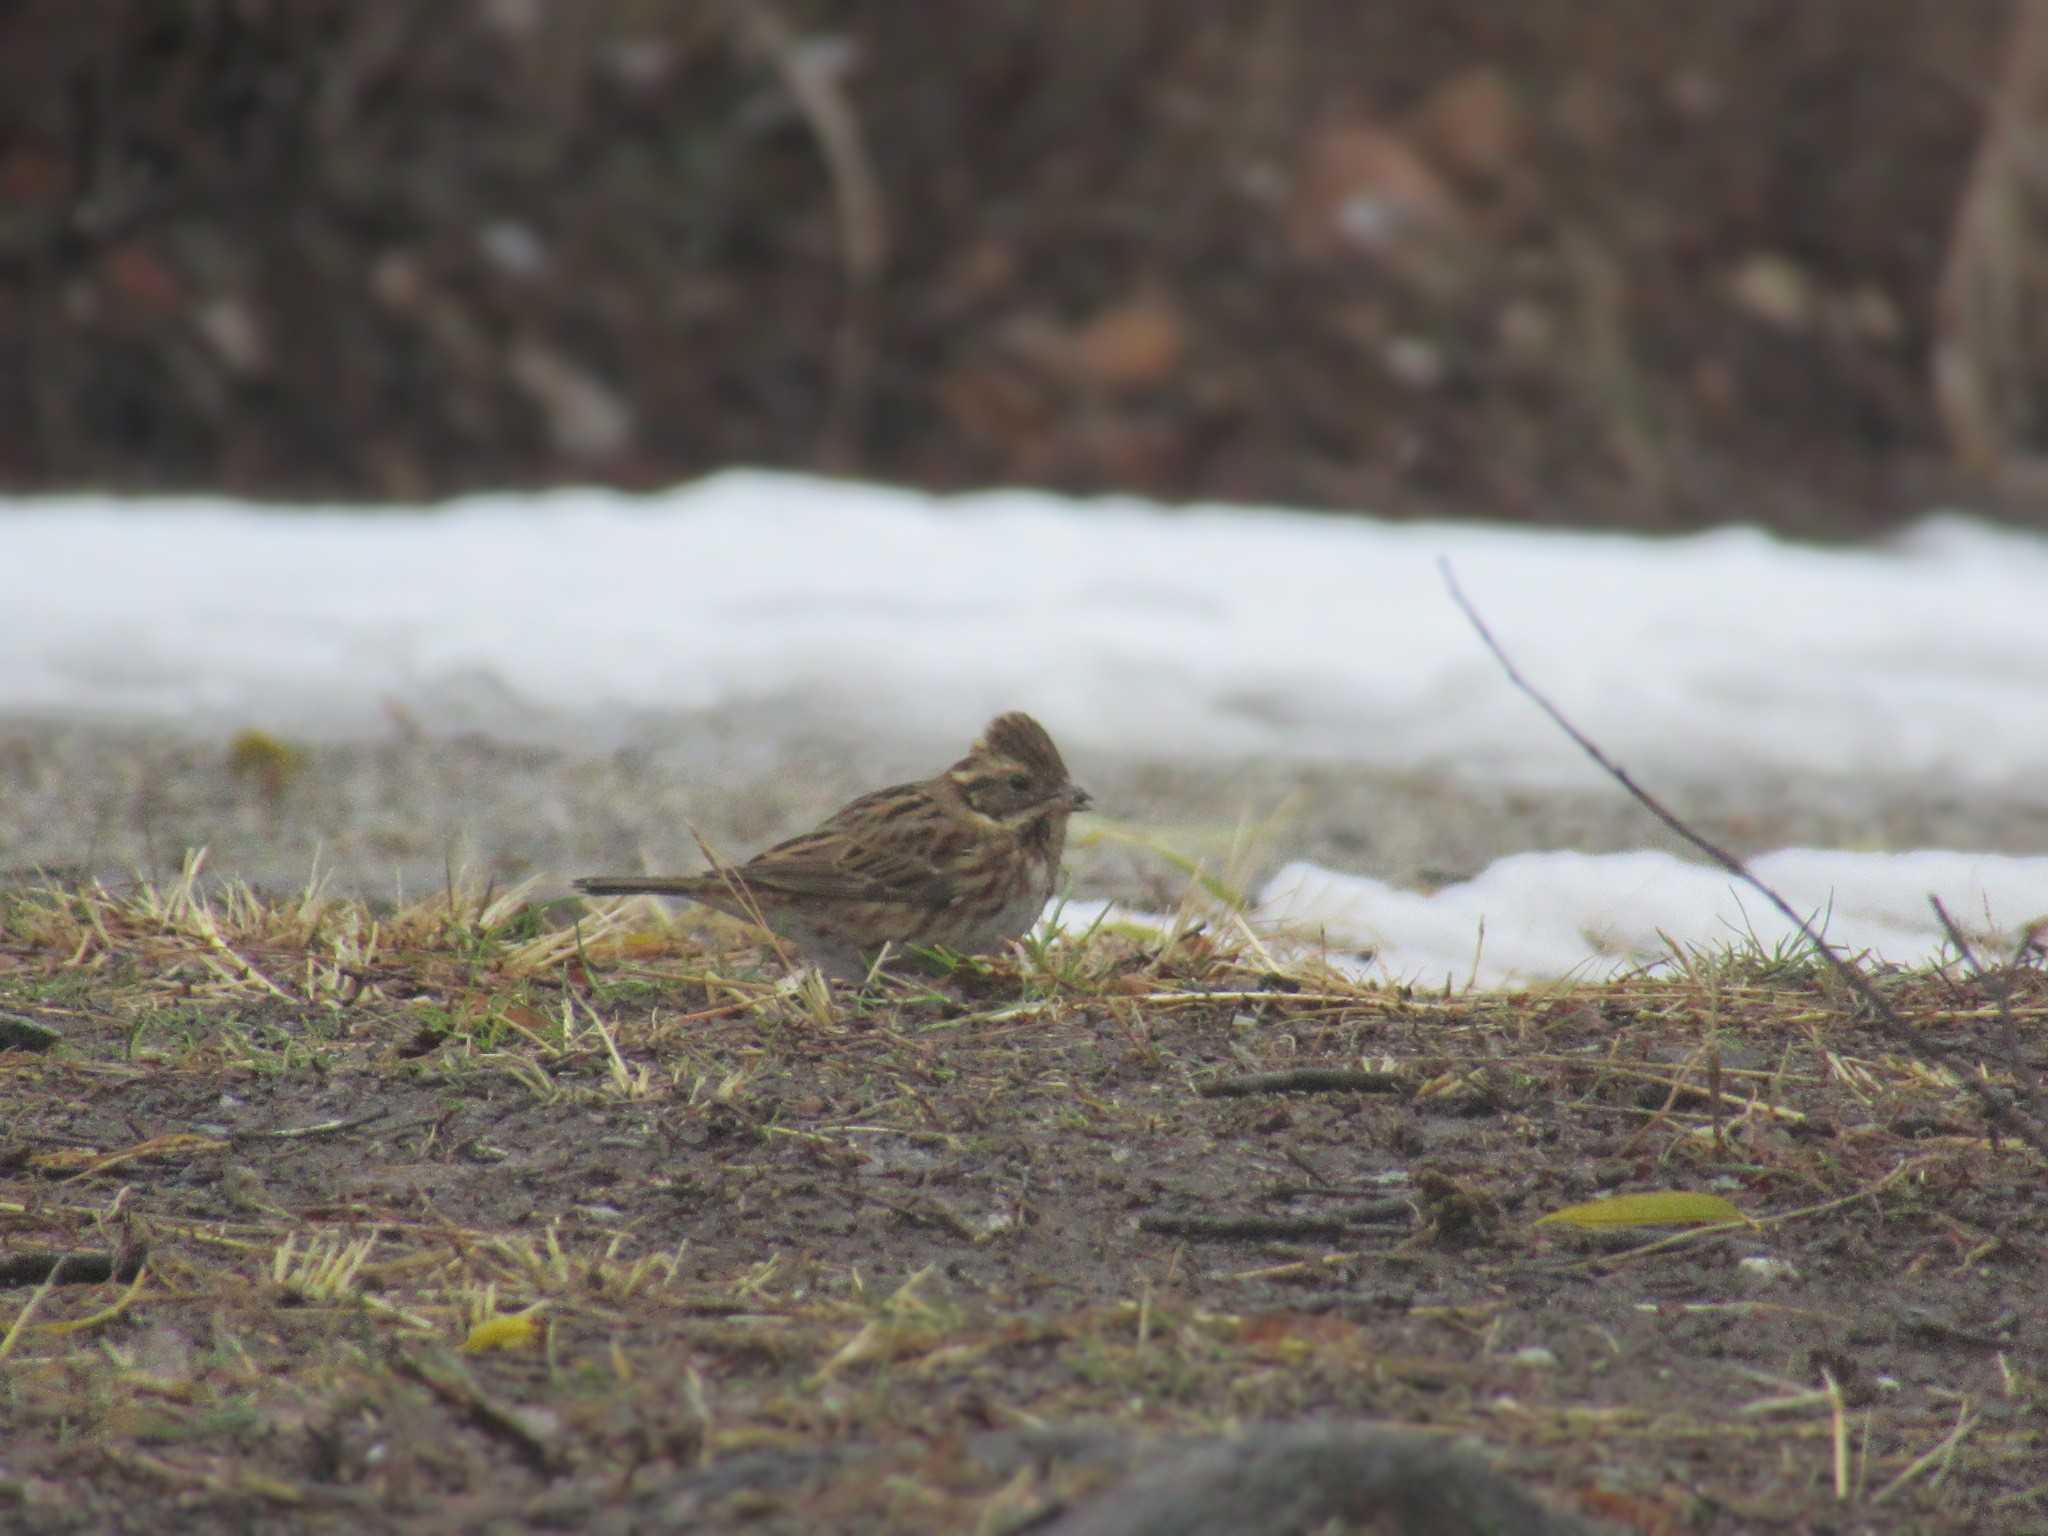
1591, 261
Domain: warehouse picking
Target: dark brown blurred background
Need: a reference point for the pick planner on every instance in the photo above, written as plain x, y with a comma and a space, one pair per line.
1590, 261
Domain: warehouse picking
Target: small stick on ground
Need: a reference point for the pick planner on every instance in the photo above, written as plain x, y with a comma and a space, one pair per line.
460, 1393
1301, 1080
930, 1213
1999, 1113
72, 1268
2000, 986
324, 1128
1217, 1229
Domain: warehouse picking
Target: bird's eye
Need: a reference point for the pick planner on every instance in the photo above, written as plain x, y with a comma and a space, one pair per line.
1020, 782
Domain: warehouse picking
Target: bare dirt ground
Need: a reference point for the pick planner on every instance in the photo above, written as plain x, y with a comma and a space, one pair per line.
460, 1217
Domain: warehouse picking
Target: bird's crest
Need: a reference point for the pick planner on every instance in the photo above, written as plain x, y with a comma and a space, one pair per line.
1023, 740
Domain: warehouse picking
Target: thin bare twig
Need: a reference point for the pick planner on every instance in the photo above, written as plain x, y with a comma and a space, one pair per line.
324, 1128
455, 1388
2000, 986
927, 1212
1999, 1113
1270, 1228
41, 1268
1301, 1080
813, 82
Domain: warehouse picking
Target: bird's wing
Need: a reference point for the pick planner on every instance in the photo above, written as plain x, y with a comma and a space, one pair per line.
851, 857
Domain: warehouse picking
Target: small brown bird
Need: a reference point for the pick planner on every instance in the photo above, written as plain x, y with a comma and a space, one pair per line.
966, 860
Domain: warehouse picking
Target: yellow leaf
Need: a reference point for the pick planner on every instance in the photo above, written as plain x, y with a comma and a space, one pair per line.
272, 763
520, 1331
1660, 1208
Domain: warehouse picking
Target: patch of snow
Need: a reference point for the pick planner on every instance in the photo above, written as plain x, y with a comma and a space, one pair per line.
1203, 632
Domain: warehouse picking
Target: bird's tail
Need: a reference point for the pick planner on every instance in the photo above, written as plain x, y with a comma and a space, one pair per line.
641, 885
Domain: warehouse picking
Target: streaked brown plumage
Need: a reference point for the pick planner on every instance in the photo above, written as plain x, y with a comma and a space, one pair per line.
966, 860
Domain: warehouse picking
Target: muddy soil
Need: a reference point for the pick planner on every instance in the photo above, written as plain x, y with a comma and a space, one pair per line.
963, 1251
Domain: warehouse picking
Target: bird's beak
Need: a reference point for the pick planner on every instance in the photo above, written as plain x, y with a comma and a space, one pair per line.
1077, 798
